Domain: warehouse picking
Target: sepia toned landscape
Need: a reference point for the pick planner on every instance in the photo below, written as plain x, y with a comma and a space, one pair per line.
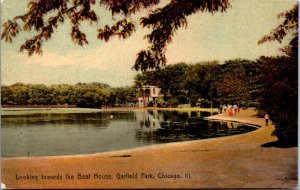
149, 94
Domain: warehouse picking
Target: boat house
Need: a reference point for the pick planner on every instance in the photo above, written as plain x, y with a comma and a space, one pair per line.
149, 95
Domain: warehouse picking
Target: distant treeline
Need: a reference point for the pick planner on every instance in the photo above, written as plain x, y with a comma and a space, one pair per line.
81, 94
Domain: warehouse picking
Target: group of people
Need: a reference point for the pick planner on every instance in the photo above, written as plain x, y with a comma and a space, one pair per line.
233, 110
229, 109
106, 107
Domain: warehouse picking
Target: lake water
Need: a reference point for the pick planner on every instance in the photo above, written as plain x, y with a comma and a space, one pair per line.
85, 133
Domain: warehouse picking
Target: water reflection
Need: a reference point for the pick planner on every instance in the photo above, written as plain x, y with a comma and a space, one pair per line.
82, 133
99, 119
177, 126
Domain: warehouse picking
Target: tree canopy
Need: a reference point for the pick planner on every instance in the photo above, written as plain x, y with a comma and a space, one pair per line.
81, 94
278, 78
211, 82
45, 16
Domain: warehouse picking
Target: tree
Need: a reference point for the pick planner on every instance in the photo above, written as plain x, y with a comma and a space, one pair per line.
15, 94
234, 82
6, 95
82, 95
288, 26
211, 82
170, 79
279, 95
279, 78
123, 95
45, 16
199, 81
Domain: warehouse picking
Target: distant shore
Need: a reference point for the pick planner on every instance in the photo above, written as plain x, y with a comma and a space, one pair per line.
111, 108
39, 106
248, 160
46, 110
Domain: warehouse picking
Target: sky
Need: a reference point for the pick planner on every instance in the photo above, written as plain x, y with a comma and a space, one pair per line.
222, 36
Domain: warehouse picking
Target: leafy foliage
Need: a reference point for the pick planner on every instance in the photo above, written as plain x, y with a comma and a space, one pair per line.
11, 29
279, 95
170, 79
201, 79
210, 81
234, 84
279, 80
163, 21
81, 94
290, 24
122, 29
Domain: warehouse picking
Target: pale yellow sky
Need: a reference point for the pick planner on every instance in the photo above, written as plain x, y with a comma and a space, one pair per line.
223, 36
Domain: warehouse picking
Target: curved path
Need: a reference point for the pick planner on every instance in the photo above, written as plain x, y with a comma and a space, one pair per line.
227, 162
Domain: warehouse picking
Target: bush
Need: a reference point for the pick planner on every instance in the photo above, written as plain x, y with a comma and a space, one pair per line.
151, 104
160, 103
286, 130
172, 102
279, 95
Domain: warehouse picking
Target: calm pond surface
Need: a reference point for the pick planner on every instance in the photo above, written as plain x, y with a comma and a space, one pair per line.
84, 133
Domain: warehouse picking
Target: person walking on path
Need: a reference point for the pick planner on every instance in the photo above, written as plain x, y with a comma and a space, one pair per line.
267, 118
235, 109
230, 110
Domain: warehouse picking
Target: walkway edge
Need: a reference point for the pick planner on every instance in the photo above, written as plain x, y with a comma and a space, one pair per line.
221, 117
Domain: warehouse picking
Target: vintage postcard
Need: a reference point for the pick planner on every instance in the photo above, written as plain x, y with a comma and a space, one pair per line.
149, 94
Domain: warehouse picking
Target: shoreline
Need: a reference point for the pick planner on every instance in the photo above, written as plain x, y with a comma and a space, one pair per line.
27, 111
110, 108
236, 161
213, 118
143, 148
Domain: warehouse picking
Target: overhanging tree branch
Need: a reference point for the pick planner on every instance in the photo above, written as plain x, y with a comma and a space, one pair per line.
163, 21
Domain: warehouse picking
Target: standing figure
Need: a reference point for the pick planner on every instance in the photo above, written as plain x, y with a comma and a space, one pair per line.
267, 119
235, 109
229, 110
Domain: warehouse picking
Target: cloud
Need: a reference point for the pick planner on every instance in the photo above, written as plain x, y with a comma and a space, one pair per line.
109, 63
222, 36
115, 54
